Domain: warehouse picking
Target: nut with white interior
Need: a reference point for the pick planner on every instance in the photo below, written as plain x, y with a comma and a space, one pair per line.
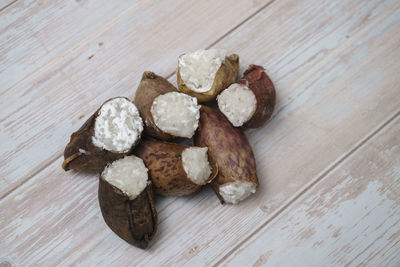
238, 103
198, 69
205, 73
126, 201
166, 112
176, 170
176, 114
109, 134
251, 101
231, 151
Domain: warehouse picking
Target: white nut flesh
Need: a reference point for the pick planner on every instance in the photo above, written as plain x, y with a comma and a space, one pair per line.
236, 191
176, 113
128, 174
118, 126
198, 69
238, 103
196, 165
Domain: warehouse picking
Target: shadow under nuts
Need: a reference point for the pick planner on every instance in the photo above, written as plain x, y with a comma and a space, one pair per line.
126, 201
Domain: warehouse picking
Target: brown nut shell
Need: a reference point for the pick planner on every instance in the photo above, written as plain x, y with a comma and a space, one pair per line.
82, 155
164, 162
225, 76
228, 146
135, 220
260, 84
149, 88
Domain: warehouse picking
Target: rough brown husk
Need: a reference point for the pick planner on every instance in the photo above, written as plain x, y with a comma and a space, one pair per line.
135, 220
259, 83
228, 146
225, 76
80, 153
164, 162
149, 88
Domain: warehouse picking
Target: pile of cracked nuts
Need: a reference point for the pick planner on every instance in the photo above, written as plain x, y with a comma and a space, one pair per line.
129, 143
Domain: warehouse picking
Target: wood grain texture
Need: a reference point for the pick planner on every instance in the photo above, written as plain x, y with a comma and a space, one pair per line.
388, 256
335, 68
54, 101
4, 4
347, 219
34, 32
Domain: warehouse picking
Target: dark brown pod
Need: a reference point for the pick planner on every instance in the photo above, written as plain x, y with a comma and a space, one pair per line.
134, 220
261, 85
149, 88
230, 149
166, 168
82, 155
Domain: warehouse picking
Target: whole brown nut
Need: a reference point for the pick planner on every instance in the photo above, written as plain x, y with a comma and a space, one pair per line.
83, 155
134, 220
230, 149
261, 85
150, 87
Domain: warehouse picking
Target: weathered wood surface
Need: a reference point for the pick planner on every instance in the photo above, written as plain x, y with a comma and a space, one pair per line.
335, 66
33, 33
351, 218
6, 3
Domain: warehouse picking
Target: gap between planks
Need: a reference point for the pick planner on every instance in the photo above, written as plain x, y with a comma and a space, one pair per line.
110, 22
8, 5
311, 185
60, 154
71, 48
68, 49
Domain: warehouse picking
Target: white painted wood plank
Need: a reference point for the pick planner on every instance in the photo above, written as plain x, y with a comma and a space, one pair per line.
295, 147
34, 32
345, 220
41, 112
4, 4
388, 256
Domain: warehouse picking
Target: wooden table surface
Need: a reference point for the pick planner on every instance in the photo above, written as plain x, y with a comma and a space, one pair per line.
328, 161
